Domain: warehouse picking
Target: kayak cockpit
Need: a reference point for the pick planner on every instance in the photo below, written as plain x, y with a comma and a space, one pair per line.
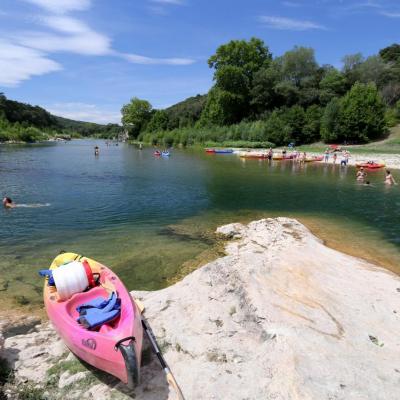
77, 300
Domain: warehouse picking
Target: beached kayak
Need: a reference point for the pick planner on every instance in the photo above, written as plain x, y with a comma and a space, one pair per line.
370, 165
315, 158
250, 154
281, 157
223, 151
102, 324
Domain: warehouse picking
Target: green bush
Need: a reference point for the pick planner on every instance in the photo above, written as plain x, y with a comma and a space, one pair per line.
30, 135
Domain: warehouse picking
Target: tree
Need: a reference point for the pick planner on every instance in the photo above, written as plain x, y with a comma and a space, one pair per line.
276, 130
351, 70
391, 93
358, 117
312, 124
235, 65
333, 84
222, 108
391, 54
263, 94
298, 64
249, 56
362, 113
158, 122
287, 92
330, 127
294, 118
372, 70
135, 116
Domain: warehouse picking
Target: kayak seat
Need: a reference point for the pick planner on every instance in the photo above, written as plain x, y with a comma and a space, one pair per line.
99, 311
95, 320
97, 302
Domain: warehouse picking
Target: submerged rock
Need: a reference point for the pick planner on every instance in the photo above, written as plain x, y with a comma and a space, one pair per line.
281, 316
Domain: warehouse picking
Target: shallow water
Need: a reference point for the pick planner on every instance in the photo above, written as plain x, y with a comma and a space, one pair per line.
147, 217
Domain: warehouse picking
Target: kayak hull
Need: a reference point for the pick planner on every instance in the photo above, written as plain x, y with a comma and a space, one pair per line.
97, 348
223, 151
370, 166
254, 156
313, 159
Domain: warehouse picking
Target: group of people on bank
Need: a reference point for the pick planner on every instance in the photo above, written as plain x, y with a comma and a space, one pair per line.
345, 156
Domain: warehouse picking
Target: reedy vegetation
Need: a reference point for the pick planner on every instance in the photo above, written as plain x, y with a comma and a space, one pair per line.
259, 99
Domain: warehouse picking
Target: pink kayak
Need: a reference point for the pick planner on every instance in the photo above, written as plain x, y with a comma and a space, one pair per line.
106, 336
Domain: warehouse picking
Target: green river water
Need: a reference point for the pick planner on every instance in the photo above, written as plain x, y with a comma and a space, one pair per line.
151, 219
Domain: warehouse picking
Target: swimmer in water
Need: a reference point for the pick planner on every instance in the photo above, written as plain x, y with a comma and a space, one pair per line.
361, 175
8, 203
389, 180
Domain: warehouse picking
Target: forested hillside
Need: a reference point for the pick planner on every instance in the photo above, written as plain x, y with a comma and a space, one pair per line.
260, 99
26, 123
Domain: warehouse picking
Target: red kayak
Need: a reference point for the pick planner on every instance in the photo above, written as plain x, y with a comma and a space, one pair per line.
370, 165
210, 150
100, 324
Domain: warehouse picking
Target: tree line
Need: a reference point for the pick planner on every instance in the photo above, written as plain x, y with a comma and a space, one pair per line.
258, 98
26, 123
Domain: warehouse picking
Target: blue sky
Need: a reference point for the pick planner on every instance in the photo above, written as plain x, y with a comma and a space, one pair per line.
83, 59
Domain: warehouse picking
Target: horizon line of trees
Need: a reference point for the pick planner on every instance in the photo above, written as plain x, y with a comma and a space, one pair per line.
291, 98
26, 123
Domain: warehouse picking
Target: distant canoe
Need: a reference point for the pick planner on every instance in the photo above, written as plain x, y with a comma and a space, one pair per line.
370, 165
253, 154
315, 158
223, 151
210, 151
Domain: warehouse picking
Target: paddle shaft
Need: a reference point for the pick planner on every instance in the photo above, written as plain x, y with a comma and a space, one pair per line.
170, 378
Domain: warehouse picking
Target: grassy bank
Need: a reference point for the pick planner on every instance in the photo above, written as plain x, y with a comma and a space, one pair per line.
390, 145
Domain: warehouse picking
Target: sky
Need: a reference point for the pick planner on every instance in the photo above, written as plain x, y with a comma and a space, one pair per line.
84, 59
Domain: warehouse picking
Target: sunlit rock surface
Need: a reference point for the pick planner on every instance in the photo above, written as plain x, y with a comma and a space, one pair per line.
280, 317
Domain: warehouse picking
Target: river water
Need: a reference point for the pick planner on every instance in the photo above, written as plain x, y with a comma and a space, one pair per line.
149, 218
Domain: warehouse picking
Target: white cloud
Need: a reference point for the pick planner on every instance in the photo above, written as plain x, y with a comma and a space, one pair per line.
138, 59
74, 36
26, 53
85, 112
19, 63
62, 6
283, 23
390, 14
176, 2
290, 4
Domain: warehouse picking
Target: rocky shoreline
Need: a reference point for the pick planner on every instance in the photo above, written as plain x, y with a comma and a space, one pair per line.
281, 316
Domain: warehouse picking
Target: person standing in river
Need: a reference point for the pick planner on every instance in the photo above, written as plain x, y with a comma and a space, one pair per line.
389, 180
96, 151
326, 156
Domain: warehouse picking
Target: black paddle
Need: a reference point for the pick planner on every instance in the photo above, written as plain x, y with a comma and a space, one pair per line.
170, 378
